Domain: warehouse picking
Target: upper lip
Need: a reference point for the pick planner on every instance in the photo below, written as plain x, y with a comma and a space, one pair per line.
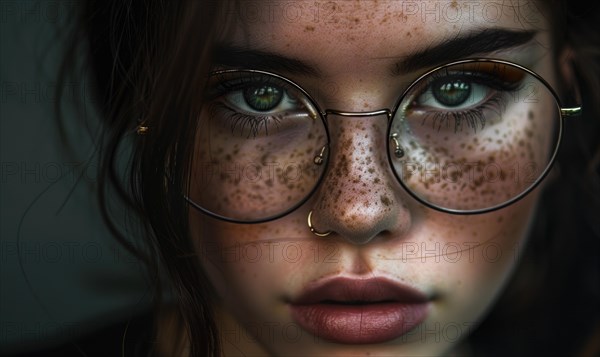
349, 290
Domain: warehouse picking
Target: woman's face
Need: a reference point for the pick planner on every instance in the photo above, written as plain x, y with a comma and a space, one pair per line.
394, 277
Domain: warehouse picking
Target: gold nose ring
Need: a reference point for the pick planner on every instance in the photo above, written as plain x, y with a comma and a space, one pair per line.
313, 230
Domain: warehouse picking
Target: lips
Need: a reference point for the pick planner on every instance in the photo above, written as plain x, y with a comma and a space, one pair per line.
359, 311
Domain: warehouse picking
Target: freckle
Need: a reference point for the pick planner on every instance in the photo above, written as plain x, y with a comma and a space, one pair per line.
385, 200
408, 34
309, 28
529, 133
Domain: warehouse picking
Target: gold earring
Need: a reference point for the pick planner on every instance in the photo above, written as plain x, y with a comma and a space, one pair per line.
142, 128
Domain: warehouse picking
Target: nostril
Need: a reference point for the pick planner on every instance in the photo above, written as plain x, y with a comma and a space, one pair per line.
360, 223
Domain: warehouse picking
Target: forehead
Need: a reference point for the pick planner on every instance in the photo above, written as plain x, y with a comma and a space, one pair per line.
353, 31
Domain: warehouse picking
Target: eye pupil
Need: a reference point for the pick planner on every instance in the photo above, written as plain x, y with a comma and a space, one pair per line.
263, 98
452, 93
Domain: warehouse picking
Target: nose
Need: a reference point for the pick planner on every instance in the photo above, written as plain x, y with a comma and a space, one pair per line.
359, 198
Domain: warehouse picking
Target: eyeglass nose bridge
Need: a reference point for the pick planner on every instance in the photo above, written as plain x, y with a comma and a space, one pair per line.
398, 152
373, 113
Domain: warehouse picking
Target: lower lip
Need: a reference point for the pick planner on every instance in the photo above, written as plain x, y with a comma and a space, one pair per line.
359, 324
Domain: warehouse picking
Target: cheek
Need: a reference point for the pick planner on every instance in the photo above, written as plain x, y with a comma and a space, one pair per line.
479, 168
470, 282
257, 261
249, 169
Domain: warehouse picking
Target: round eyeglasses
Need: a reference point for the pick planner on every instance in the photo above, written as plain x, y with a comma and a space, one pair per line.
468, 137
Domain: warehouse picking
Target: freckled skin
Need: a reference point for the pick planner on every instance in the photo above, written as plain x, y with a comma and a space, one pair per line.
479, 167
343, 208
244, 173
378, 229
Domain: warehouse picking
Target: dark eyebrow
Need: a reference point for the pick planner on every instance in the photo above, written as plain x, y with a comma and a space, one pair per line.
238, 57
461, 47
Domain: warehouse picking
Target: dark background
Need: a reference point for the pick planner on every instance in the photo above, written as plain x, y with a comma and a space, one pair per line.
61, 274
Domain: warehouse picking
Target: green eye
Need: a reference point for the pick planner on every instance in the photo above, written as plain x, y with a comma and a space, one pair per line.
263, 98
451, 93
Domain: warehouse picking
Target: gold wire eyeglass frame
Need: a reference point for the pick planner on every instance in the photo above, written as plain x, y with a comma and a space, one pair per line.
390, 113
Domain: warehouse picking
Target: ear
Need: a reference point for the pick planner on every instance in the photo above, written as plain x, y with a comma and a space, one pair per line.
570, 92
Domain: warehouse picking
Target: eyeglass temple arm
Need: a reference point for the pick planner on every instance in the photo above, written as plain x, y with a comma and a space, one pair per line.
571, 112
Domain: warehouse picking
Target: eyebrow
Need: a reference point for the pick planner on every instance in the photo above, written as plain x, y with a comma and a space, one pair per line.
239, 57
476, 43
459, 47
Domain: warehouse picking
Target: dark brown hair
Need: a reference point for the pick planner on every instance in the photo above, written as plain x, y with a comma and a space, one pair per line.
149, 60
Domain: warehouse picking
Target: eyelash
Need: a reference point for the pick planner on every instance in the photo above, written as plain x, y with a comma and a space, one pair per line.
240, 120
472, 116
496, 103
238, 83
252, 122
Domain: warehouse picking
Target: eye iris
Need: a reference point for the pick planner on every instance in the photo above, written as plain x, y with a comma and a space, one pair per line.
452, 93
263, 98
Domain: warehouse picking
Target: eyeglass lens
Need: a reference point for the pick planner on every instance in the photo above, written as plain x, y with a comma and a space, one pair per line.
465, 138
